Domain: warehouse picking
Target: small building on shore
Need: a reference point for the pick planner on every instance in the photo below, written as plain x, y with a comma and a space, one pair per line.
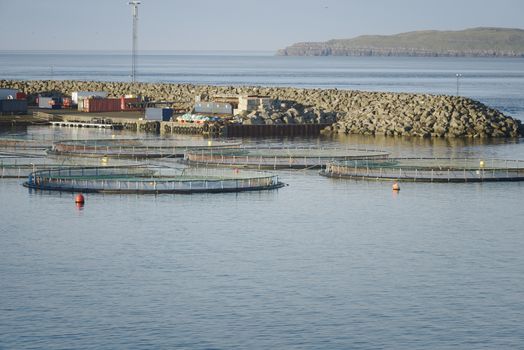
12, 101
245, 103
76, 96
219, 108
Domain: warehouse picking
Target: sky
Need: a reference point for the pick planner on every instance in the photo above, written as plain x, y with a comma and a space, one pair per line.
264, 25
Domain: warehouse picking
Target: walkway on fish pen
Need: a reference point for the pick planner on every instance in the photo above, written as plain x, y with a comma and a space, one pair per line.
20, 163
151, 179
278, 157
134, 148
22, 144
429, 169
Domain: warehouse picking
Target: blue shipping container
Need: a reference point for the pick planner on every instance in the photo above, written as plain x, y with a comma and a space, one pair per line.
13, 106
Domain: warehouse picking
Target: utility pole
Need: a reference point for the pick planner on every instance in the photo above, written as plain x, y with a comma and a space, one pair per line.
134, 4
458, 82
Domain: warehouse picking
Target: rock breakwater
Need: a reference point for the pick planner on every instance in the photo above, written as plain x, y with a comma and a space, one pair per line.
423, 115
357, 112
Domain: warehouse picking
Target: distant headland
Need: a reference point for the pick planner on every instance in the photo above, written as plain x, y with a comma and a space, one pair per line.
474, 42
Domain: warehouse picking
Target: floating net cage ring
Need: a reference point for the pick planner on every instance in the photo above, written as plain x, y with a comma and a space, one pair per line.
21, 165
150, 179
23, 170
22, 144
134, 148
429, 169
278, 158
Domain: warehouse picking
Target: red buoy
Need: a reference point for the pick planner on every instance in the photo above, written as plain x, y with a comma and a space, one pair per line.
79, 199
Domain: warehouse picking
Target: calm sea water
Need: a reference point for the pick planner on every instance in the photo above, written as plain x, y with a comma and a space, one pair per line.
497, 82
319, 264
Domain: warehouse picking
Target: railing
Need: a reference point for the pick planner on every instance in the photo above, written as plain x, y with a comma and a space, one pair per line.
449, 170
16, 169
133, 148
279, 157
147, 179
24, 144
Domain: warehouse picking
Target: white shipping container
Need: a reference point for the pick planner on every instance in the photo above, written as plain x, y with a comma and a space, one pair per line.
80, 104
251, 103
45, 102
266, 101
153, 114
76, 95
160, 114
8, 94
213, 108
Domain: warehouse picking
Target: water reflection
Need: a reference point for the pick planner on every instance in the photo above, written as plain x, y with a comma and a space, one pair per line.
437, 147
398, 146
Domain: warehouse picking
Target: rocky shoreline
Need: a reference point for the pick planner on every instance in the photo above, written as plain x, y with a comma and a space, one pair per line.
350, 112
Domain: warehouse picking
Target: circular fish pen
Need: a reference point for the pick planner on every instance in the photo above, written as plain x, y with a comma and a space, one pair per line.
134, 148
150, 179
278, 158
22, 168
429, 169
18, 165
22, 144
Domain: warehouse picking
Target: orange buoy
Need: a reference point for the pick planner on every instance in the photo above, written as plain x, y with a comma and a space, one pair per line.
79, 199
396, 186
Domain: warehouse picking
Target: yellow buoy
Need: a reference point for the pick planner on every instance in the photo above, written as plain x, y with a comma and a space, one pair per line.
396, 186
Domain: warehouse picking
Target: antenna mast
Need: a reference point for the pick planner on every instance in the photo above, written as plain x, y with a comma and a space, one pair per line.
134, 4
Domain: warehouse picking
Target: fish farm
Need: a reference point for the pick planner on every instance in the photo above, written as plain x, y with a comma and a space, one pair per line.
429, 169
20, 164
278, 157
133, 148
150, 179
21, 144
21, 168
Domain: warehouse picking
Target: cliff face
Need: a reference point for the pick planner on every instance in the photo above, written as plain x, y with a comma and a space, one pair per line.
476, 42
356, 112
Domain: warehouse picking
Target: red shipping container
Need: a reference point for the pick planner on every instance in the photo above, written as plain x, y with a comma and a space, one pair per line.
21, 96
66, 102
94, 105
128, 104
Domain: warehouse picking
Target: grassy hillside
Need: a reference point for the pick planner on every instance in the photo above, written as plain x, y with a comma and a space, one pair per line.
498, 42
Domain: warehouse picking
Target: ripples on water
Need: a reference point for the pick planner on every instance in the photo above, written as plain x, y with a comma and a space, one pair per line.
320, 264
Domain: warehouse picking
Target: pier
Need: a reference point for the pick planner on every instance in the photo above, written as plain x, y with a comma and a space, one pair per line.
86, 125
134, 121
242, 130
